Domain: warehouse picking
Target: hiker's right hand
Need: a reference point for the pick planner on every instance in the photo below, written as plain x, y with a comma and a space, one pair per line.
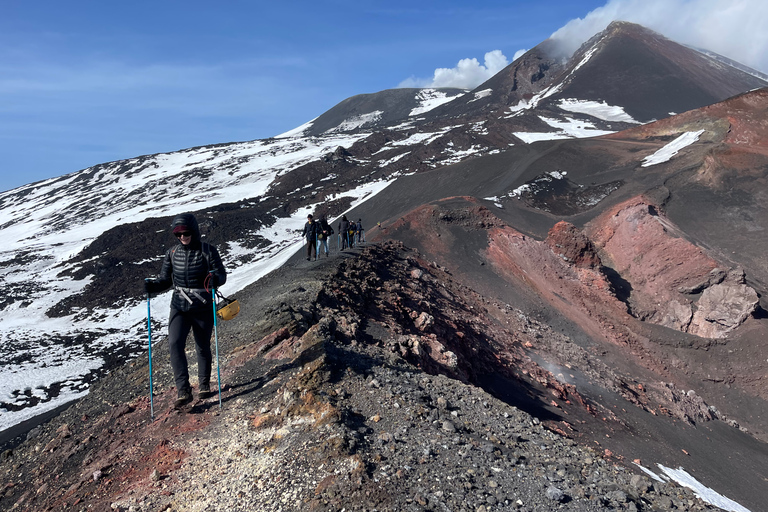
150, 285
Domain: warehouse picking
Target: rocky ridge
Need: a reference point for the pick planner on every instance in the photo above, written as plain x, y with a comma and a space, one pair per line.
343, 392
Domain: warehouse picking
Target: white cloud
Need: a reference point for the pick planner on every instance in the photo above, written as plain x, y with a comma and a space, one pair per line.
518, 54
733, 28
468, 74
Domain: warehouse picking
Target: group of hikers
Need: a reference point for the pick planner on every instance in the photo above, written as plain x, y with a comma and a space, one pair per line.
317, 233
194, 270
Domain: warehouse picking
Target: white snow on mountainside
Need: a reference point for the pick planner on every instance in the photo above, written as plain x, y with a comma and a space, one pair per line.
598, 109
358, 122
46, 224
430, 99
566, 129
670, 150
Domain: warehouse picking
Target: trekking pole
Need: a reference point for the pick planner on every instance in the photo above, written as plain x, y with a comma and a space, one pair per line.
149, 334
216, 337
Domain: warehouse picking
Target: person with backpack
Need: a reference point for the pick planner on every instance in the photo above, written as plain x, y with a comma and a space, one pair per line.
324, 231
193, 268
360, 232
344, 232
351, 233
310, 233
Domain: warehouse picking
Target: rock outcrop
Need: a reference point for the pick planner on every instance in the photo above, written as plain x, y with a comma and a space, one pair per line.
665, 272
571, 244
724, 306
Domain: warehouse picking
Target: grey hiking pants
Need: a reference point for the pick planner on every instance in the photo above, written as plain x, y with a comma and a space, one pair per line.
200, 322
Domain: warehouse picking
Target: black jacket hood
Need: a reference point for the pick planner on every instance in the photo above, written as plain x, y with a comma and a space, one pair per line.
188, 220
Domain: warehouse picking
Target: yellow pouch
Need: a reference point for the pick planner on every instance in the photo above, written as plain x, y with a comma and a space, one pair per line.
228, 308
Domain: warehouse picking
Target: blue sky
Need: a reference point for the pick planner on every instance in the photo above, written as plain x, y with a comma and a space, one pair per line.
87, 82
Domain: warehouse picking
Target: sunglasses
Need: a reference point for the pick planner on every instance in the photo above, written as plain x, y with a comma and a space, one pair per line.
185, 233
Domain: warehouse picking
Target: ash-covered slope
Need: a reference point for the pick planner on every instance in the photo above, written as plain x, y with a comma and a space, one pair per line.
351, 385
643, 248
671, 208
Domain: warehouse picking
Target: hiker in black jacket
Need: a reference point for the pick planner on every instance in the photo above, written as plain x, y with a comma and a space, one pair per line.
324, 231
192, 268
344, 232
310, 233
360, 232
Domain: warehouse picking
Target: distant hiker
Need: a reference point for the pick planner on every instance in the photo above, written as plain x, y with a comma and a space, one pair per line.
351, 233
192, 268
310, 233
324, 231
360, 232
344, 232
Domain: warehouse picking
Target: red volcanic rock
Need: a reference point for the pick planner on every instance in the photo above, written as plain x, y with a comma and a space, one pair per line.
641, 246
583, 294
424, 321
663, 268
572, 245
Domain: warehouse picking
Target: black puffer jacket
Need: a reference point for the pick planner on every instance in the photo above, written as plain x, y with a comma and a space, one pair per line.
186, 267
343, 226
310, 231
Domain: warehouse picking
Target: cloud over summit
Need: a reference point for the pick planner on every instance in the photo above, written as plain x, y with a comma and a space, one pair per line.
733, 28
467, 74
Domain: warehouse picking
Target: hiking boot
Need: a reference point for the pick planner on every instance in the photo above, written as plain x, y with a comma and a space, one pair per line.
205, 392
184, 399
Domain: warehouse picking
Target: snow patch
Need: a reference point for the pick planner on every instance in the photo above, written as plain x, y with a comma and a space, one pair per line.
356, 122
600, 110
384, 163
429, 99
685, 479
479, 127
670, 150
531, 137
523, 105
552, 175
567, 129
423, 138
588, 55
481, 94
296, 132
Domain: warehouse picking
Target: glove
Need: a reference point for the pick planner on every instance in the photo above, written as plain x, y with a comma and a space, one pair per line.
212, 281
150, 286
